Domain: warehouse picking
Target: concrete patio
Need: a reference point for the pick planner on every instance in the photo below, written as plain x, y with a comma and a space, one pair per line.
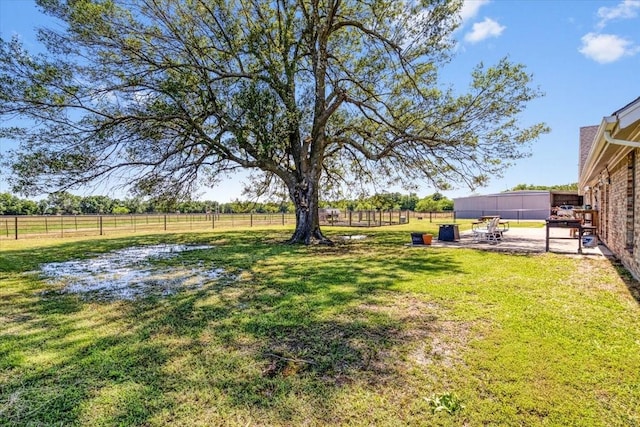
525, 240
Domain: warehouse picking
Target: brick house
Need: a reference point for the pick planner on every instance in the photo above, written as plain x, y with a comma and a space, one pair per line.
609, 180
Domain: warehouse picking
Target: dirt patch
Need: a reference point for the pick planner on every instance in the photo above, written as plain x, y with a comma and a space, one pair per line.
130, 273
407, 309
444, 345
431, 340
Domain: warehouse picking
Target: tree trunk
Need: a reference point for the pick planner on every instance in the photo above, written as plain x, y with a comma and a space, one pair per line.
305, 198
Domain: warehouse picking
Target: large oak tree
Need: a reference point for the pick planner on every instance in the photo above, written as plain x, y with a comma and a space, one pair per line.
166, 95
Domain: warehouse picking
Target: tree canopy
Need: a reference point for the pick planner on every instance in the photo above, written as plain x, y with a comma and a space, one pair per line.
572, 186
167, 95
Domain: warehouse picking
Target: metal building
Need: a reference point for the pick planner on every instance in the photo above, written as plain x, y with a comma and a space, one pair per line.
526, 204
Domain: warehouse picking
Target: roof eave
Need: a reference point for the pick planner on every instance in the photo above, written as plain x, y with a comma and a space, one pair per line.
606, 141
628, 114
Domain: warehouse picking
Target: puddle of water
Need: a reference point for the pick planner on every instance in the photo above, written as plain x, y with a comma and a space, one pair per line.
128, 273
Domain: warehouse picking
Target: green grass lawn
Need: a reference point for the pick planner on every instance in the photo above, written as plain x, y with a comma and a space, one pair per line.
368, 332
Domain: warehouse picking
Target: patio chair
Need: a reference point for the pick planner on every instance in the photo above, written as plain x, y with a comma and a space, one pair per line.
490, 233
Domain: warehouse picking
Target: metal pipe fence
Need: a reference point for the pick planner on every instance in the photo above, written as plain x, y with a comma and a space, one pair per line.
28, 226
17, 227
434, 216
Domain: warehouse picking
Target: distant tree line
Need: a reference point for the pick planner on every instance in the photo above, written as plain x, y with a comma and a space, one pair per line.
571, 187
395, 201
64, 203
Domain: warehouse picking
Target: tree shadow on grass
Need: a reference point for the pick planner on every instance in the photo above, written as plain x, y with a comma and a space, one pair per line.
281, 343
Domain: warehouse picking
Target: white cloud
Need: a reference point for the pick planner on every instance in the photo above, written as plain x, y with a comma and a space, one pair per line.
627, 9
606, 48
470, 9
483, 30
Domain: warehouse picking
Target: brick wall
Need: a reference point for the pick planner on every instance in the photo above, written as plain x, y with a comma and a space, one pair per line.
620, 217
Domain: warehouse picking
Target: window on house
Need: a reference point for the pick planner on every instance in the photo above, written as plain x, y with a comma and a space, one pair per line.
631, 193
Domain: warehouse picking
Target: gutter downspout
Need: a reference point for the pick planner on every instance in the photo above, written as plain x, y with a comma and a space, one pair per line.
611, 140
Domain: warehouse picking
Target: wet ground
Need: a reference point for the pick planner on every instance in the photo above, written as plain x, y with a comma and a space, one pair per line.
130, 273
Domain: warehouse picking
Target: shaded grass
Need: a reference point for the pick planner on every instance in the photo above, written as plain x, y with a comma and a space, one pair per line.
363, 333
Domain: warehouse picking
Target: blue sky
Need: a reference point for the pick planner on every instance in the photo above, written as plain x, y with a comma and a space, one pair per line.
584, 55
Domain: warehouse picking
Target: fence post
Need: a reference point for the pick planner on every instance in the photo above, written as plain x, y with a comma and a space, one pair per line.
430, 216
350, 215
454, 216
101, 229
16, 228
46, 225
213, 221
165, 222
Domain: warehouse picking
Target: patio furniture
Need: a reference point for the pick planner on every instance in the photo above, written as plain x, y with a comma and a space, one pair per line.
490, 232
570, 223
483, 221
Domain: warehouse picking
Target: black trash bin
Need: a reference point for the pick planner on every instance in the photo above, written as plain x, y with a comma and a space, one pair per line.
416, 239
448, 232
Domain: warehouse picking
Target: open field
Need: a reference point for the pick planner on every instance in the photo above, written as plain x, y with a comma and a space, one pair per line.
368, 332
45, 226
